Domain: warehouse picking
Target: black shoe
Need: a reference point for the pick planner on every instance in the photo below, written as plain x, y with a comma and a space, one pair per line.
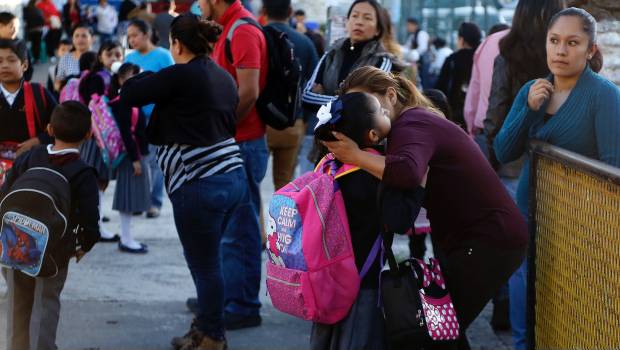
136, 213
112, 239
236, 321
125, 249
500, 321
153, 213
192, 305
105, 219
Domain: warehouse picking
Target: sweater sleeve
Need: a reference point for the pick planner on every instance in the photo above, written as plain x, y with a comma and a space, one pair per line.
607, 126
511, 141
149, 88
87, 208
411, 148
312, 97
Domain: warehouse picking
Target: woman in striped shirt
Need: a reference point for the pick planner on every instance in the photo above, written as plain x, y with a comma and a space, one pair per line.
193, 123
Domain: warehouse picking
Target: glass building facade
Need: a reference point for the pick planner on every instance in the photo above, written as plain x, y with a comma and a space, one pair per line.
441, 18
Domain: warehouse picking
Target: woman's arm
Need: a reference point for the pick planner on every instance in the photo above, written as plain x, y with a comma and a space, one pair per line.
148, 87
607, 126
511, 141
348, 152
405, 166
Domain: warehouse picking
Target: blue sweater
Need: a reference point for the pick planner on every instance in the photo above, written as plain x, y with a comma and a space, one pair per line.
588, 123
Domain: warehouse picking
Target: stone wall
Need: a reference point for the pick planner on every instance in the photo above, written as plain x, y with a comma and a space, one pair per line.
607, 12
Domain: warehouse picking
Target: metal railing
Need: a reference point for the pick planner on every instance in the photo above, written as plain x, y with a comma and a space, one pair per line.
574, 253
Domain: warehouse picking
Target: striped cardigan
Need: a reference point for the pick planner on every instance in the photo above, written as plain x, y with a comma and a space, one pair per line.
373, 55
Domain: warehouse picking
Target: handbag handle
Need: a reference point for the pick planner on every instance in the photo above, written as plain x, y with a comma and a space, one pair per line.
388, 239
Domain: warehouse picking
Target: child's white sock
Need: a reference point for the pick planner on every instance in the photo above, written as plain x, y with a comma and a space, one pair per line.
126, 237
105, 233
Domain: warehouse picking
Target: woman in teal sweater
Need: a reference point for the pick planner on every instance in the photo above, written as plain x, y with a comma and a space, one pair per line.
574, 108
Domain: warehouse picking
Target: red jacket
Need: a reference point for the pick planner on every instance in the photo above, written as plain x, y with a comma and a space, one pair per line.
49, 9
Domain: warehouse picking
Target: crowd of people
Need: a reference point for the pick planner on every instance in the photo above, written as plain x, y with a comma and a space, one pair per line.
451, 126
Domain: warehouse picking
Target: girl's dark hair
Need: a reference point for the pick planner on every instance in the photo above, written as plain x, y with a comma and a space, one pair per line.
356, 118
381, 26
589, 27
91, 83
115, 85
106, 46
194, 33
83, 26
87, 60
142, 26
523, 47
471, 33
439, 99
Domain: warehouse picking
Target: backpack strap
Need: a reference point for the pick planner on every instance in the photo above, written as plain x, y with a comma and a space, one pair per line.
34, 103
231, 33
329, 165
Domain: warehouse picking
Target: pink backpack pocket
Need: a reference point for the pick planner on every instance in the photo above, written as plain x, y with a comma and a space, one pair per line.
311, 271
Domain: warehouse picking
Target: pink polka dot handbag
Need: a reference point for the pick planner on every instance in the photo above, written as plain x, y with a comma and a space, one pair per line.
416, 303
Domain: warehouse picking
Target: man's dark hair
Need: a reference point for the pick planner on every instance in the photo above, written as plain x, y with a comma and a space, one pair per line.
498, 28
440, 43
6, 18
300, 12
18, 47
65, 41
277, 9
413, 20
71, 121
230, 2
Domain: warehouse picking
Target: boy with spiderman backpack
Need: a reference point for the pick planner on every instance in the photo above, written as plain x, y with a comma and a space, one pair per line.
37, 241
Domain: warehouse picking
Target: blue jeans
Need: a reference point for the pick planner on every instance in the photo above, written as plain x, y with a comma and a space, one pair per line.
202, 212
241, 244
157, 179
306, 147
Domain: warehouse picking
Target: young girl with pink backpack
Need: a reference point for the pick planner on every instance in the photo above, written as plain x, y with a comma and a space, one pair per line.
324, 236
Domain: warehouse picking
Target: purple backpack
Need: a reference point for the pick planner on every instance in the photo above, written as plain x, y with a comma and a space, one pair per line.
311, 271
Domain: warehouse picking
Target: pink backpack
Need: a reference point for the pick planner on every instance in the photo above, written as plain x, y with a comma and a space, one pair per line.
311, 271
106, 132
71, 91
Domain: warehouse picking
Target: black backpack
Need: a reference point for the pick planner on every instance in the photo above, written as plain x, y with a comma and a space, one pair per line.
278, 103
35, 215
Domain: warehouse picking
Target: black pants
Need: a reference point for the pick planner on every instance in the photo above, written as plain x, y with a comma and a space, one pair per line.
474, 273
34, 37
52, 39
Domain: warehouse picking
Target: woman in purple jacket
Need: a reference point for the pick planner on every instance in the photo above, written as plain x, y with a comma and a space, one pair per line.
476, 225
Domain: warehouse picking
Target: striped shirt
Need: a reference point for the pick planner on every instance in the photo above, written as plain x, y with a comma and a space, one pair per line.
183, 163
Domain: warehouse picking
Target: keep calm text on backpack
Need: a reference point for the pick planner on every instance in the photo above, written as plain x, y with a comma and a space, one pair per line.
311, 271
278, 103
35, 215
106, 132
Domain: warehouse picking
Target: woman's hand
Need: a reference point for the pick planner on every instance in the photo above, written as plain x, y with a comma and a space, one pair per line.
540, 92
27, 146
345, 149
137, 168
